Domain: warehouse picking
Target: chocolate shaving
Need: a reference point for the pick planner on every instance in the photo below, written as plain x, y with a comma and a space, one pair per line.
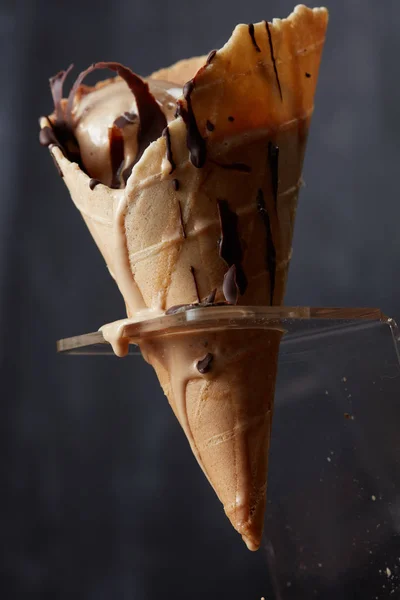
308, 75
234, 166
230, 286
182, 224
273, 159
64, 134
195, 283
253, 37
195, 143
116, 140
211, 56
273, 60
128, 118
231, 119
204, 365
56, 87
210, 126
152, 120
230, 249
166, 134
93, 183
270, 252
175, 184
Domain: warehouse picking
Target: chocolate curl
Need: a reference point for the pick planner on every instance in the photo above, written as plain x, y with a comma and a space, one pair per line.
152, 119
56, 87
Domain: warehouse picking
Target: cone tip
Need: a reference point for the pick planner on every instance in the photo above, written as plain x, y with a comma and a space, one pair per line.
252, 543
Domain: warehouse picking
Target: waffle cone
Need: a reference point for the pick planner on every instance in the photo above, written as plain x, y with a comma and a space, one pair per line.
225, 413
161, 238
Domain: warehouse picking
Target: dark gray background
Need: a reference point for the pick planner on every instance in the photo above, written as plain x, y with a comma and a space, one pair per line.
92, 502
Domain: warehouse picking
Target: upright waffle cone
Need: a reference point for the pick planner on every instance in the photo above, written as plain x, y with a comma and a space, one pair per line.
216, 211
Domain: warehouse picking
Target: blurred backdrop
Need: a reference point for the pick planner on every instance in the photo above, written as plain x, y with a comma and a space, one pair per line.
99, 491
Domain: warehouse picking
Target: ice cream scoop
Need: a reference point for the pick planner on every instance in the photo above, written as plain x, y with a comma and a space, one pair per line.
199, 210
107, 118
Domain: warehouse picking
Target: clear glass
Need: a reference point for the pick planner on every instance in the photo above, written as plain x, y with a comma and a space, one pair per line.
332, 524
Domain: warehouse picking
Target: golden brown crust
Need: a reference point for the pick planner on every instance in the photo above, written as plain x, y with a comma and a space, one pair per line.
181, 71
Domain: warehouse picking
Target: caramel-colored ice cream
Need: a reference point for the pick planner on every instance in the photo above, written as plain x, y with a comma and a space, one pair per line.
192, 202
108, 116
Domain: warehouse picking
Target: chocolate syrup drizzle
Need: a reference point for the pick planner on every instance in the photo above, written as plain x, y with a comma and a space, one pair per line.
166, 134
253, 37
211, 56
183, 227
230, 249
270, 251
195, 143
273, 159
271, 49
195, 283
47, 137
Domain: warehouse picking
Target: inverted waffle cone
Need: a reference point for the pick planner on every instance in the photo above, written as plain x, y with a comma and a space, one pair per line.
226, 414
162, 244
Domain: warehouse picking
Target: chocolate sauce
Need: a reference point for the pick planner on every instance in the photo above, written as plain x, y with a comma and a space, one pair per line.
210, 126
230, 249
273, 159
183, 226
93, 183
270, 251
195, 143
166, 134
116, 140
47, 137
204, 365
253, 37
211, 56
175, 184
230, 285
195, 283
273, 60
